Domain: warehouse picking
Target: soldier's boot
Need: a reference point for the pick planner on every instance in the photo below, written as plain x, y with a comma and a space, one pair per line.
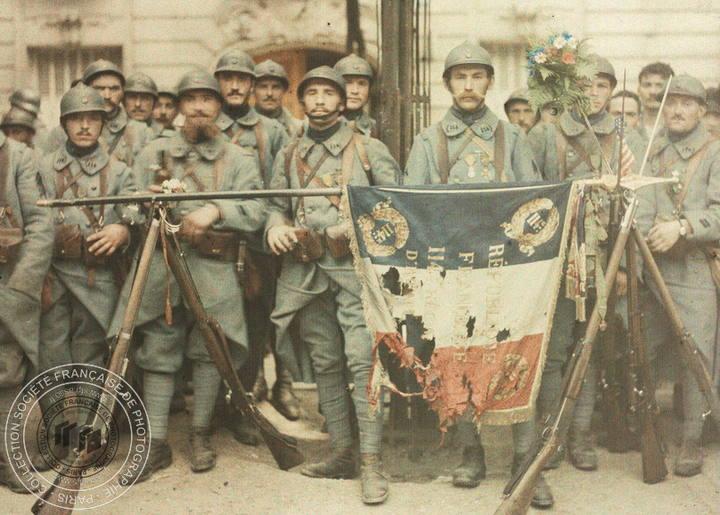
374, 483
244, 430
339, 465
202, 455
160, 458
260, 387
283, 396
472, 469
690, 460
582, 451
542, 495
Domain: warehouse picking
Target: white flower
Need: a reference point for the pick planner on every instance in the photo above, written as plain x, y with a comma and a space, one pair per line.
559, 42
540, 58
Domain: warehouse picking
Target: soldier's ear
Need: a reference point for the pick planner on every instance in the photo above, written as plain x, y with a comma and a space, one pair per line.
703, 110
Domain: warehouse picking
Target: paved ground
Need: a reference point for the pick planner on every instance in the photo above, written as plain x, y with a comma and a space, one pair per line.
247, 481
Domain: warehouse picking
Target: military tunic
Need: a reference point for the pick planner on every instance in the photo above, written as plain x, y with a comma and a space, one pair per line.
126, 137
82, 299
363, 124
21, 280
472, 152
293, 127
242, 132
217, 166
324, 295
685, 267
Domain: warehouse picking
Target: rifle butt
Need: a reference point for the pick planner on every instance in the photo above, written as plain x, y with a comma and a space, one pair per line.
283, 448
653, 457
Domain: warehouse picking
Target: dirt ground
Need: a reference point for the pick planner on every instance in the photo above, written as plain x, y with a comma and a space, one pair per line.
246, 479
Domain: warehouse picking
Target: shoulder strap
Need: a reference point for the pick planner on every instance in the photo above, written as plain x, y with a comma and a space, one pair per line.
693, 165
363, 155
289, 152
261, 141
499, 157
443, 159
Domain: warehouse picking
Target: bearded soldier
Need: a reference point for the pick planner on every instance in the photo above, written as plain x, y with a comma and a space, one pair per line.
563, 150
271, 85
19, 125
141, 96
166, 109
28, 100
317, 286
243, 126
82, 286
484, 149
518, 110
26, 237
199, 156
122, 137
358, 75
682, 227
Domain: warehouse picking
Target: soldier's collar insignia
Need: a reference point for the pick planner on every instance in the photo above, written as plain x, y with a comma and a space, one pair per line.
690, 144
95, 162
338, 141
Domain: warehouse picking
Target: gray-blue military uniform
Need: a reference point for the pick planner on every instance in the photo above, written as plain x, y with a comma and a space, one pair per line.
81, 290
323, 294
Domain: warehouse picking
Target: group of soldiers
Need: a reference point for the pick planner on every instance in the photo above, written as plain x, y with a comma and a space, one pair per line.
62, 271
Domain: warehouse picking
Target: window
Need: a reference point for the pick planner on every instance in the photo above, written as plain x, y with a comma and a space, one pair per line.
53, 70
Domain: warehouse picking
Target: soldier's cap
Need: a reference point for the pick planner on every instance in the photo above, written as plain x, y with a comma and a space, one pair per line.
467, 53
713, 100
100, 67
18, 117
322, 73
603, 67
269, 69
81, 98
519, 95
198, 80
27, 99
139, 82
354, 65
235, 61
687, 86
170, 91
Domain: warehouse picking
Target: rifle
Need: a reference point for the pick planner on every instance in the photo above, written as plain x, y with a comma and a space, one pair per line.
56, 500
690, 352
164, 198
643, 402
519, 491
283, 448
614, 369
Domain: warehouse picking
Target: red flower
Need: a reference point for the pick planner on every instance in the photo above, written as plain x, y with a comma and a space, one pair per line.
568, 58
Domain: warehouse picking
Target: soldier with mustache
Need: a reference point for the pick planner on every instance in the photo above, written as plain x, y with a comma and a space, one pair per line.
141, 97
483, 149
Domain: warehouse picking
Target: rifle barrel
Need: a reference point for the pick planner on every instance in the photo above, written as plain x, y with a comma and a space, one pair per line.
179, 197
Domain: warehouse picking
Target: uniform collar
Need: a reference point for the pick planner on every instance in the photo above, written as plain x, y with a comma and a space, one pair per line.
224, 121
334, 144
572, 128
210, 150
119, 122
90, 164
484, 127
690, 144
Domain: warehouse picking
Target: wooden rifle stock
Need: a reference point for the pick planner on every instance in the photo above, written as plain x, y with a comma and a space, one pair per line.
692, 356
643, 387
59, 499
283, 448
519, 491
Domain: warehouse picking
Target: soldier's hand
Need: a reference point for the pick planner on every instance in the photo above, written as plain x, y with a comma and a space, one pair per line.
155, 188
621, 281
199, 220
281, 238
108, 239
663, 236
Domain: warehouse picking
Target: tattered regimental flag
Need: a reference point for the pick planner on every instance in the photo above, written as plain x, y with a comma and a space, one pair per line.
459, 285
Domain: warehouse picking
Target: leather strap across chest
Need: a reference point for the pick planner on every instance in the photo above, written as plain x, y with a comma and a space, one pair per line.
445, 162
692, 166
65, 180
561, 144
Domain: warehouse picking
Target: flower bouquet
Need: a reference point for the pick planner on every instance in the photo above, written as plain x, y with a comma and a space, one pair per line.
557, 68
